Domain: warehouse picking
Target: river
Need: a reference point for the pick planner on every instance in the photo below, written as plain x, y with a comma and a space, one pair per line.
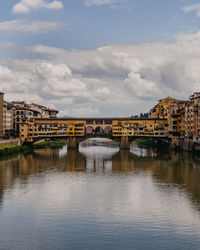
100, 197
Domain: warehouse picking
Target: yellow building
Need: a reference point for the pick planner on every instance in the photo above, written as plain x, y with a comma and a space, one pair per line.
170, 117
140, 127
35, 129
176, 119
161, 109
192, 117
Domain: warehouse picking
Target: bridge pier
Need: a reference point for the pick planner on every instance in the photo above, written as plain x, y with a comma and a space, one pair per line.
124, 143
72, 143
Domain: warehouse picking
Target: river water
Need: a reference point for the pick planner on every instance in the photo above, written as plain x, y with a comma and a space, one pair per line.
100, 198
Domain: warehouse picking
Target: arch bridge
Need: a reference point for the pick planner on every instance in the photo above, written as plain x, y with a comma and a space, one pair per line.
75, 130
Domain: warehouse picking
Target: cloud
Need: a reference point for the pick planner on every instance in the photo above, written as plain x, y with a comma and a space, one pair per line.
83, 111
114, 4
141, 87
25, 6
7, 45
114, 80
193, 7
90, 3
30, 27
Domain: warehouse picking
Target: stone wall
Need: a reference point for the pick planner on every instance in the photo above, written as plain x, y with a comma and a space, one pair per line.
11, 142
185, 144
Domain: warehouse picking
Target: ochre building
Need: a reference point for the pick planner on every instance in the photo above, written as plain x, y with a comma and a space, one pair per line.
35, 129
161, 109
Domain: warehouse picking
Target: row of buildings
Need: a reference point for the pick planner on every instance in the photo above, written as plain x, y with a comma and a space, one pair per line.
79, 127
183, 116
14, 113
170, 117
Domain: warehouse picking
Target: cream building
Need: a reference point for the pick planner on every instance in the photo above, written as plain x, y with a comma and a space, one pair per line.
8, 113
1, 113
192, 117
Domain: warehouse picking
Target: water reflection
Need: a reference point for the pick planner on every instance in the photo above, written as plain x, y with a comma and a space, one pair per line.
103, 192
170, 167
139, 151
98, 154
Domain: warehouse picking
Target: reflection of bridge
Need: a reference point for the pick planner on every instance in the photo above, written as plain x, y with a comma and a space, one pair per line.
75, 130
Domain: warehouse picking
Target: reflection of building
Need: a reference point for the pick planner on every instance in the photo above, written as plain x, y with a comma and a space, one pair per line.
75, 162
178, 168
123, 161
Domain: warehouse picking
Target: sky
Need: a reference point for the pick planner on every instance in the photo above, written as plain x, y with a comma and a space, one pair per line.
99, 57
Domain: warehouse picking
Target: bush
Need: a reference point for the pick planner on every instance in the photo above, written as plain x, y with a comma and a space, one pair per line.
11, 150
8, 150
49, 144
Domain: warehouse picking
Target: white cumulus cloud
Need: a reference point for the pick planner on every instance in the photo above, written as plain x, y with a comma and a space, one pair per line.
25, 6
142, 88
193, 7
100, 2
114, 80
30, 27
115, 4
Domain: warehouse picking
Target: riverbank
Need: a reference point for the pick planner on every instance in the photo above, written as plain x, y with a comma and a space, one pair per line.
15, 150
10, 142
49, 144
12, 150
148, 143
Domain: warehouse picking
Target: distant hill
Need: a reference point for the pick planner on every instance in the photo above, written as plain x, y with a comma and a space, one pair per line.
66, 116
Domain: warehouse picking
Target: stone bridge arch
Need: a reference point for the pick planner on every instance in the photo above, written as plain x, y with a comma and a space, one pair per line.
99, 130
94, 136
89, 130
108, 130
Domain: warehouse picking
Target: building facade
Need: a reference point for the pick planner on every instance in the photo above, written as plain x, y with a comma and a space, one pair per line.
1, 113
35, 129
161, 109
12, 114
172, 117
192, 117
8, 112
176, 119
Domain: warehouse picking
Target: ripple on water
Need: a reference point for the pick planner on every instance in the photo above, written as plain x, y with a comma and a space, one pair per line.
100, 198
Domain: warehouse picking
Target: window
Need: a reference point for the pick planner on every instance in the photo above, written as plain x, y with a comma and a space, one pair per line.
108, 121
99, 122
90, 122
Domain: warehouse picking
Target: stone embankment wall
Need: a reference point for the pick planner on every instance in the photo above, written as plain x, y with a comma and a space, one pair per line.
10, 142
185, 144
